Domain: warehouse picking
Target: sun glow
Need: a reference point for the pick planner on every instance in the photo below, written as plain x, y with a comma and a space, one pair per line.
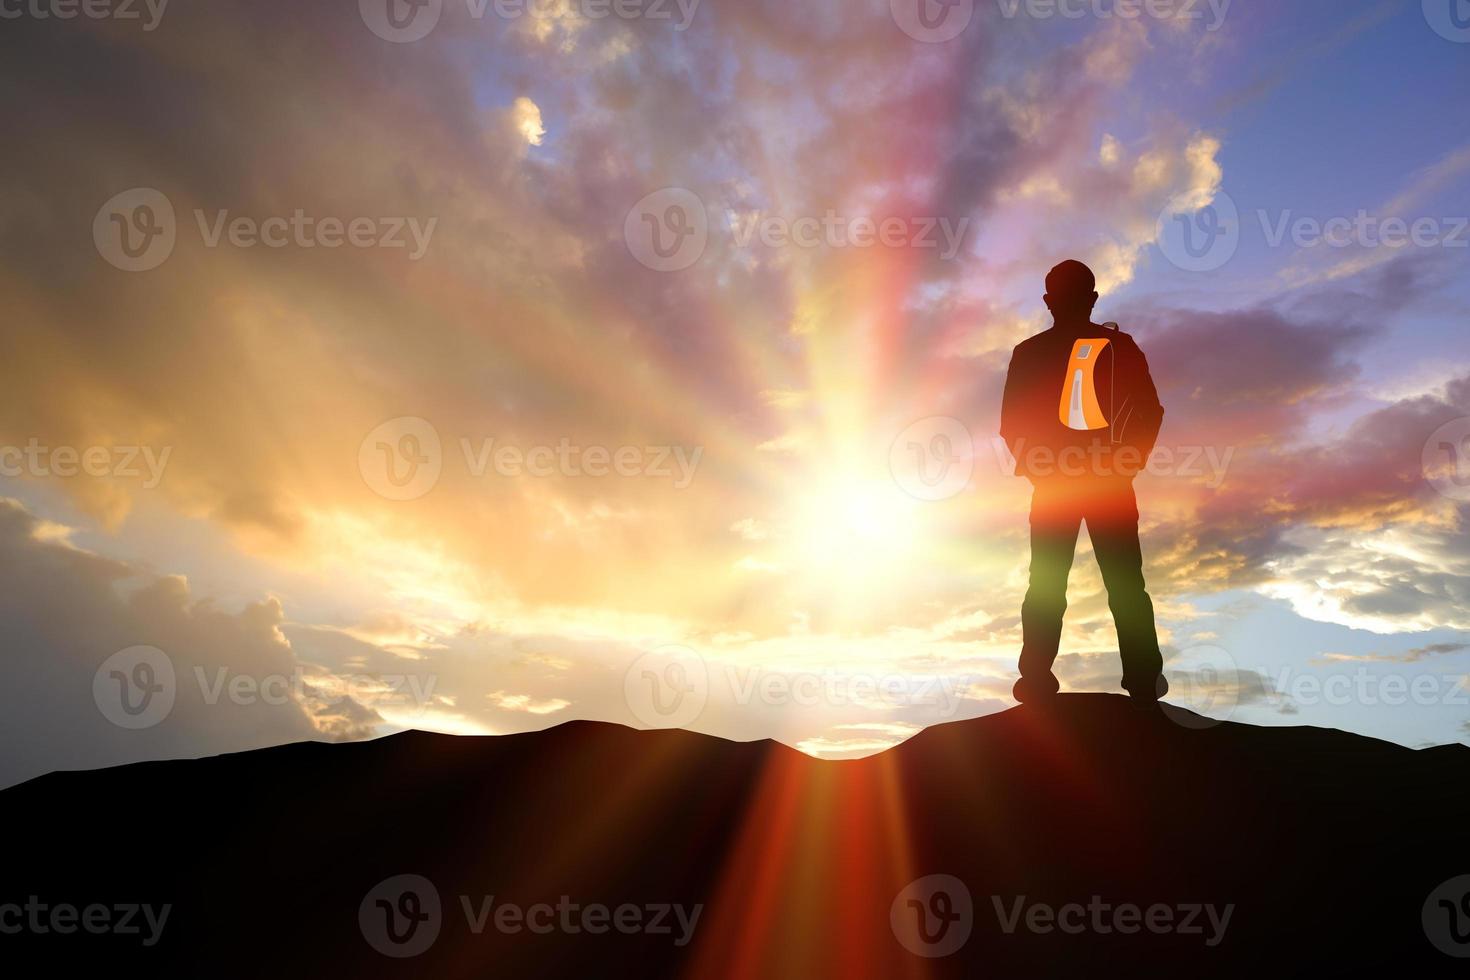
856, 532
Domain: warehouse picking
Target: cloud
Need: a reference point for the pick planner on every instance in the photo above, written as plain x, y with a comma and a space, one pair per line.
530, 322
526, 703
1205, 690
1246, 377
1340, 522
1410, 657
1406, 206
342, 718
66, 612
528, 120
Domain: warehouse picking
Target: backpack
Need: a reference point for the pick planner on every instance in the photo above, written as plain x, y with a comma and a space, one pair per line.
1093, 364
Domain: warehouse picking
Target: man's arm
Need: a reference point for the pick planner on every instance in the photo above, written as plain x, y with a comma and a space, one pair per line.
1145, 413
1012, 428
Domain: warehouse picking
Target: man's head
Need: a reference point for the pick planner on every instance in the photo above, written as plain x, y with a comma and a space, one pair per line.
1071, 291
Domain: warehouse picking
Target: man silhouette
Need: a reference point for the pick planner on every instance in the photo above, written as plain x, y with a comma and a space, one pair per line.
1081, 415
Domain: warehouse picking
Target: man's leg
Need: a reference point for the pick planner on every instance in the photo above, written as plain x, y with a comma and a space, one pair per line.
1055, 521
1112, 523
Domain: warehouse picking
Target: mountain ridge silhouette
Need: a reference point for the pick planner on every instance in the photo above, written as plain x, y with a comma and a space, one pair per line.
1324, 846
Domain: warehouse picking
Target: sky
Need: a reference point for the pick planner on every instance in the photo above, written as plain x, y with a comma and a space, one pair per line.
477, 367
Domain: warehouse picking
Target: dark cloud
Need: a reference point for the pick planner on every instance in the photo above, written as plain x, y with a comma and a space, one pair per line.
66, 612
1248, 377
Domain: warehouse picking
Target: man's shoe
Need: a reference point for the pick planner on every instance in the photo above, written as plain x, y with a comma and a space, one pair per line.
1148, 695
1029, 690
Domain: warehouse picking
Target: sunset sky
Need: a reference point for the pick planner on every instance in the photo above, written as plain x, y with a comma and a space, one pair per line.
499, 457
